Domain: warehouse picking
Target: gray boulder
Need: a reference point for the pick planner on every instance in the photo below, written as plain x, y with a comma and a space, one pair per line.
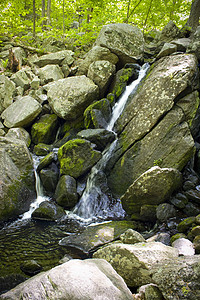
169, 32
19, 133
134, 262
179, 278
7, 88
50, 73
131, 236
66, 193
76, 279
101, 72
21, 113
97, 53
21, 79
124, 40
182, 44
151, 128
167, 49
17, 178
48, 211
69, 97
152, 187
65, 56
165, 211
184, 246
49, 179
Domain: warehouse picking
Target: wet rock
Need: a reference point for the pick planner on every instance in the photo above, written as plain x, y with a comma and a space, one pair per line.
46, 161
97, 53
179, 201
191, 209
184, 225
134, 262
61, 92
193, 195
100, 137
50, 73
148, 213
31, 267
66, 193
55, 58
96, 278
197, 219
195, 230
152, 187
165, 211
177, 236
7, 88
48, 211
44, 130
124, 40
21, 113
101, 73
196, 243
76, 157
97, 235
184, 246
131, 236
42, 149
97, 114
49, 178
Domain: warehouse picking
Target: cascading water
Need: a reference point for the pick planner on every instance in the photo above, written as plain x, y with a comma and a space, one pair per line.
39, 192
96, 202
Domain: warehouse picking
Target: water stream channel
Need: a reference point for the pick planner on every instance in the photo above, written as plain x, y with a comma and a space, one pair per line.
26, 239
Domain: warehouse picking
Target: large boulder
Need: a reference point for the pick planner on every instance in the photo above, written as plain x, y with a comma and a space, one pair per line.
101, 72
88, 279
153, 187
65, 56
7, 88
134, 262
50, 73
152, 130
124, 40
17, 178
22, 112
97, 53
76, 157
66, 193
69, 97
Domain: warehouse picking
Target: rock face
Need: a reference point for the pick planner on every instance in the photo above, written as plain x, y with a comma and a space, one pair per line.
134, 262
152, 130
89, 279
152, 187
124, 40
17, 181
22, 112
76, 157
69, 97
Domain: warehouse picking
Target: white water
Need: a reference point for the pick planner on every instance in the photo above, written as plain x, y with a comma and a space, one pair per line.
39, 192
94, 202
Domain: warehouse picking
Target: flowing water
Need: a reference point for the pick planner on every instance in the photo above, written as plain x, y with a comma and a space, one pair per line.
26, 239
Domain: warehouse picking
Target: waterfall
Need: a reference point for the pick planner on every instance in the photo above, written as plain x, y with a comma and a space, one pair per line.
39, 191
96, 201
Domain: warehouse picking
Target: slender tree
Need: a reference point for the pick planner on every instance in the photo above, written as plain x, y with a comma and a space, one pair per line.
43, 14
193, 20
48, 12
34, 18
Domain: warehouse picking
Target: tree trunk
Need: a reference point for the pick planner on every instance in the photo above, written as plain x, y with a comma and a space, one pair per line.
34, 17
43, 14
49, 12
193, 20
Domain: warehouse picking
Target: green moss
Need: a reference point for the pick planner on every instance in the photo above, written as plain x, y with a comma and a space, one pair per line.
73, 168
177, 236
184, 225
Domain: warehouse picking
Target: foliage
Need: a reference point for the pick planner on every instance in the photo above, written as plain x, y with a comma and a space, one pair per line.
16, 17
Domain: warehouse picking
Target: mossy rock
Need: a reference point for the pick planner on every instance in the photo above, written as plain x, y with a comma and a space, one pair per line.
48, 211
184, 225
177, 236
42, 149
44, 130
76, 157
46, 161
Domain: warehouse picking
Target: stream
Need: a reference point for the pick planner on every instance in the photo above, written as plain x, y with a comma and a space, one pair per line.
27, 239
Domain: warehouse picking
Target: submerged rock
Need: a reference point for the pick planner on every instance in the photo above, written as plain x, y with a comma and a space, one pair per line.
95, 277
48, 211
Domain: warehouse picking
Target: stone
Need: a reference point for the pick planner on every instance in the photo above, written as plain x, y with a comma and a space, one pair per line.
50, 73
7, 88
97, 114
20, 55
49, 179
100, 137
19, 133
76, 157
179, 278
155, 125
97, 235
169, 32
131, 236
61, 92
55, 58
21, 113
148, 213
184, 225
21, 79
97, 53
46, 161
66, 193
197, 219
148, 292
167, 49
177, 236
17, 178
152, 187
124, 40
134, 262
165, 211
196, 243
42, 149
191, 209
182, 43
48, 211
44, 130
35, 83
101, 73
95, 277
31, 267
193, 195
184, 246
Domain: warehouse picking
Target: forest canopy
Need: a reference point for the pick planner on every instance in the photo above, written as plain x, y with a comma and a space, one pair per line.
85, 18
